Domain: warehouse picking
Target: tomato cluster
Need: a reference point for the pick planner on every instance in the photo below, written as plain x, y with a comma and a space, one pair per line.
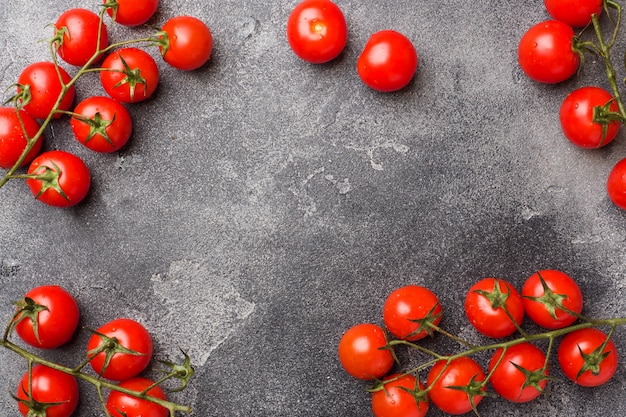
128, 74
518, 370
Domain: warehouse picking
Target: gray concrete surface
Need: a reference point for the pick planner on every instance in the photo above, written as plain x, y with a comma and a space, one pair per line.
265, 205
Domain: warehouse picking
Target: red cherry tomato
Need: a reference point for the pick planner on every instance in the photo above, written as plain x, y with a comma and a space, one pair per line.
78, 31
59, 179
129, 75
405, 306
584, 361
397, 399
13, 138
123, 405
41, 81
362, 352
317, 31
102, 124
616, 184
48, 386
388, 61
485, 305
188, 43
576, 13
131, 12
445, 379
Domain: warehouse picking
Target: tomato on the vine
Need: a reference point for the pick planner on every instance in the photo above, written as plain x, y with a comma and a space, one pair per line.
587, 357
317, 31
398, 398
46, 317
129, 75
53, 390
131, 12
409, 310
520, 374
80, 35
455, 387
124, 405
546, 52
59, 178
388, 61
576, 13
363, 352
187, 42
40, 87
493, 306
101, 124
616, 184
13, 139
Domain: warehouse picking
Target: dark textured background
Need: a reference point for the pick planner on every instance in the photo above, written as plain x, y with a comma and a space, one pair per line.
265, 205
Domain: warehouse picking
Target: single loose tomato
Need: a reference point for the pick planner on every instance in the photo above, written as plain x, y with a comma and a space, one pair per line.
520, 374
363, 352
576, 13
129, 75
53, 390
456, 386
590, 117
80, 36
101, 124
14, 139
388, 61
546, 52
408, 311
552, 299
46, 317
587, 357
131, 12
317, 31
493, 306
59, 178
124, 405
398, 398
616, 184
187, 42
40, 87
122, 365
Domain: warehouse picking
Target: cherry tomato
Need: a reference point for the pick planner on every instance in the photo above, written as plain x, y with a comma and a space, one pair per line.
462, 372
545, 306
584, 361
102, 125
362, 352
46, 317
519, 375
616, 184
122, 366
59, 178
124, 405
388, 61
485, 305
129, 75
41, 82
546, 53
131, 12
406, 306
397, 399
576, 13
78, 36
317, 31
13, 138
577, 117
48, 386
187, 43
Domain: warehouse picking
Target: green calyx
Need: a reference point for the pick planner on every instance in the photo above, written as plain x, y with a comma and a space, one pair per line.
551, 300
110, 346
496, 297
28, 309
593, 360
49, 179
97, 126
426, 324
132, 77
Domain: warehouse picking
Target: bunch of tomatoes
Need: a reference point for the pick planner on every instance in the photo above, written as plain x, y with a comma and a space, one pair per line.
551, 52
518, 370
128, 74
118, 351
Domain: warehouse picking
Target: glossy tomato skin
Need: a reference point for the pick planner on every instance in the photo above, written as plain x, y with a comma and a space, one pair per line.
396, 401
119, 124
317, 31
80, 36
132, 12
459, 373
122, 366
129, 88
55, 324
407, 304
190, 43
576, 116
571, 361
509, 381
362, 353
12, 138
546, 54
124, 405
49, 386
562, 285
490, 321
576, 13
74, 178
388, 61
45, 88
616, 184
